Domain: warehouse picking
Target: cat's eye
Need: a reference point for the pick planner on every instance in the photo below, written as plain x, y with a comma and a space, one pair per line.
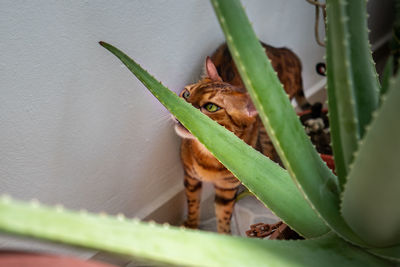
186, 94
210, 107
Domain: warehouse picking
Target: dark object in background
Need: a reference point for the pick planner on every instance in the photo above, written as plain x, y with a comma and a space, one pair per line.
278, 231
321, 69
316, 124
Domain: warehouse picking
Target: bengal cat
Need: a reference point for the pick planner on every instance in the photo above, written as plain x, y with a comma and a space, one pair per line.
229, 105
284, 61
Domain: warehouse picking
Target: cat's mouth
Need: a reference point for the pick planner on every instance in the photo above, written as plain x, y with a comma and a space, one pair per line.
181, 130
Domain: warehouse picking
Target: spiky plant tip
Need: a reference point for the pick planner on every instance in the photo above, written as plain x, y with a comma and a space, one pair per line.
120, 217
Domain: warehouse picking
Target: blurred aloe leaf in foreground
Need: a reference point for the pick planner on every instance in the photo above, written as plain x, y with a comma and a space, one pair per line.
172, 245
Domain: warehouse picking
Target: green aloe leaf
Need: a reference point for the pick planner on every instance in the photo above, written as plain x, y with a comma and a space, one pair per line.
391, 253
372, 194
353, 86
303, 163
266, 179
365, 79
387, 75
341, 96
171, 244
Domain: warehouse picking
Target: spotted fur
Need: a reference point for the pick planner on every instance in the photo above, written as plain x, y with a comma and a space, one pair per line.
237, 114
285, 62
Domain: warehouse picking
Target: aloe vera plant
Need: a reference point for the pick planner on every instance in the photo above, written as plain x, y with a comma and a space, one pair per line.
352, 219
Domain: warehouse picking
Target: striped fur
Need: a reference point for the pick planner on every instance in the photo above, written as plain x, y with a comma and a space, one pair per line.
199, 164
239, 116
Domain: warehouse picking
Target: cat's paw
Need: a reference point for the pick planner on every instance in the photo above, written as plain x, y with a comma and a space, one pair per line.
190, 224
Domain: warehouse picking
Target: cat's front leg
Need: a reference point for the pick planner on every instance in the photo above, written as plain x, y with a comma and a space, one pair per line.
193, 196
224, 203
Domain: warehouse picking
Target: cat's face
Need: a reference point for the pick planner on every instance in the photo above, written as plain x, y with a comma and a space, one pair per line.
228, 105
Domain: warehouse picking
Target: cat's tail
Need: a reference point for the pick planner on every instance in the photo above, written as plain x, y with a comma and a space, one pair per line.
302, 100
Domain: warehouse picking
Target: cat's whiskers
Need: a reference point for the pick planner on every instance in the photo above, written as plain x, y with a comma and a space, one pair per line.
162, 119
172, 119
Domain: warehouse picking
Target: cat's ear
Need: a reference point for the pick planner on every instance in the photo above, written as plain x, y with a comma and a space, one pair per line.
251, 109
211, 71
